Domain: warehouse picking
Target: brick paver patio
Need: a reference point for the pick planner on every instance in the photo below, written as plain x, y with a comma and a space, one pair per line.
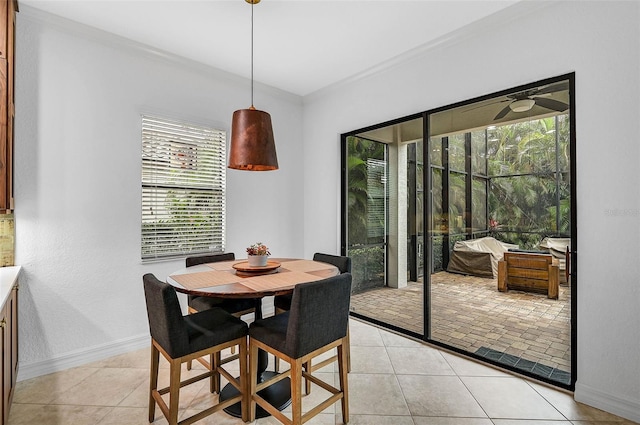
469, 313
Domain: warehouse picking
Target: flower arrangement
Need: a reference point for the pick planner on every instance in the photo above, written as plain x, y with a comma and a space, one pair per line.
494, 227
258, 248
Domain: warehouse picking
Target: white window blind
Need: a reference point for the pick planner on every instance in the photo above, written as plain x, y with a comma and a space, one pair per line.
377, 191
183, 188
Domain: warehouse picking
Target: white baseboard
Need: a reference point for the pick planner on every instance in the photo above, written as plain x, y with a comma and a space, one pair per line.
82, 357
628, 409
99, 352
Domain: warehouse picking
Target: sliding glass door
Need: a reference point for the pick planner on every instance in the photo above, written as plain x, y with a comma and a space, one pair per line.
431, 204
382, 224
365, 239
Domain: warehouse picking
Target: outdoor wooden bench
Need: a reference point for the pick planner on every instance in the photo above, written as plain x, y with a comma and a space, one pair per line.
529, 272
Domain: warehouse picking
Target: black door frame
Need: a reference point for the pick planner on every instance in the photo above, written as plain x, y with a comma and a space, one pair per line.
427, 231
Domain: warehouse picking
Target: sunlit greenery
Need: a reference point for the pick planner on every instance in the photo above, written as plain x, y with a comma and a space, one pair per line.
529, 191
366, 202
519, 186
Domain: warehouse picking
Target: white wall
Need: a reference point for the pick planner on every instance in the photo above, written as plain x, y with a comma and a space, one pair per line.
600, 41
79, 97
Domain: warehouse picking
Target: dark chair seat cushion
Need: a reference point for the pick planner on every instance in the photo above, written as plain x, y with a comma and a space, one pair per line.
212, 327
230, 305
271, 331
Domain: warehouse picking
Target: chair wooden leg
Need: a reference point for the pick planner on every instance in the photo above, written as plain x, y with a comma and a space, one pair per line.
343, 356
296, 391
190, 311
307, 383
348, 346
502, 276
174, 391
251, 384
275, 358
214, 381
554, 280
153, 381
244, 380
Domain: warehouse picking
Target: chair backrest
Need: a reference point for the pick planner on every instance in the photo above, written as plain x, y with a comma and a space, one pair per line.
342, 263
319, 314
166, 322
209, 258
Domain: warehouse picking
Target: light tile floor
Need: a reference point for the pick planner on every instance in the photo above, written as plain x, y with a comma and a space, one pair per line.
394, 380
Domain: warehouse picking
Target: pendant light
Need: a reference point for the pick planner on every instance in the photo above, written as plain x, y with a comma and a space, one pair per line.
252, 145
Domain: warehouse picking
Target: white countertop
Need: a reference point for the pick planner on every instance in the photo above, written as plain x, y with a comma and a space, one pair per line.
8, 278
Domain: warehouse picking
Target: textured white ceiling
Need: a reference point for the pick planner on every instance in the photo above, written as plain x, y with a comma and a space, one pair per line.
299, 45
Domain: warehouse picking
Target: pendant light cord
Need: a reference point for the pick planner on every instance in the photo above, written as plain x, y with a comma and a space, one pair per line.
252, 55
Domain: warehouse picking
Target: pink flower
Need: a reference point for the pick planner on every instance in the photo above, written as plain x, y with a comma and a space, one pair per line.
258, 248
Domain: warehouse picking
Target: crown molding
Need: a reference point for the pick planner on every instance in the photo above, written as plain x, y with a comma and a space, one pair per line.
487, 24
104, 37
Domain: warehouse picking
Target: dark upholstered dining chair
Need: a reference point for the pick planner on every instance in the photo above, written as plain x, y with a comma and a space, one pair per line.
282, 303
182, 338
316, 323
237, 307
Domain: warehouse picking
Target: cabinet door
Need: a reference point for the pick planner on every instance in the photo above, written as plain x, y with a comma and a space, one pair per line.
4, 13
9, 350
11, 47
4, 102
5, 369
8, 10
14, 338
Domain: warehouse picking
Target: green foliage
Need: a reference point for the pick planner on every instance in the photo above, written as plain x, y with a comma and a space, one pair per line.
367, 267
527, 194
178, 228
521, 182
366, 224
258, 248
363, 221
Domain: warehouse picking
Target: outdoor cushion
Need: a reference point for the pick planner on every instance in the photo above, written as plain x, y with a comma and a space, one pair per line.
478, 257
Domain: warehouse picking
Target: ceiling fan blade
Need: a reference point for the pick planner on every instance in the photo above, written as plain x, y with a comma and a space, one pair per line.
551, 104
564, 85
485, 105
502, 113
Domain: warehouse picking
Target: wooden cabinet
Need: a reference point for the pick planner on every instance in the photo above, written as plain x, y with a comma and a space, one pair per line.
9, 326
8, 9
8, 337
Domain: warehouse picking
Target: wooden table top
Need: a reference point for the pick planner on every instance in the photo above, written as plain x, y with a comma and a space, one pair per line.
221, 279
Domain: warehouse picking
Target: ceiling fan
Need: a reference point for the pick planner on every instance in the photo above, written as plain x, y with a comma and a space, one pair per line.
525, 100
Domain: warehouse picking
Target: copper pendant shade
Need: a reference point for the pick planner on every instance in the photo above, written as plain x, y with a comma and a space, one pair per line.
252, 145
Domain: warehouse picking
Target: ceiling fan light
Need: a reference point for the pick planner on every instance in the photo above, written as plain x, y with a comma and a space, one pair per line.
522, 105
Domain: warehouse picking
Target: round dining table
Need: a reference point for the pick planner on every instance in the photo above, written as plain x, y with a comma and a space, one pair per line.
236, 279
